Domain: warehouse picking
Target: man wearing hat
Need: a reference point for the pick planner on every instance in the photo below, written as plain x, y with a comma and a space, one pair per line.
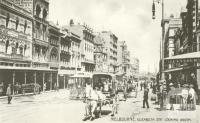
184, 95
191, 97
145, 97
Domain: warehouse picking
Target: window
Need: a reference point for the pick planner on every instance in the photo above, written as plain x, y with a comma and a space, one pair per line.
13, 50
25, 26
7, 19
44, 14
16, 47
17, 22
21, 51
25, 49
7, 44
38, 10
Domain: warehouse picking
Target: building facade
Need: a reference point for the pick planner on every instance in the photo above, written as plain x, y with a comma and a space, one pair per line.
100, 54
15, 43
111, 41
183, 66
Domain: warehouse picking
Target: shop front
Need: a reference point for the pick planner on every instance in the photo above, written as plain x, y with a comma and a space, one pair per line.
24, 80
184, 69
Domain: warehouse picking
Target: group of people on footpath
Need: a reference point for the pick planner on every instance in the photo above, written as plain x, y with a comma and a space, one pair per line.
184, 95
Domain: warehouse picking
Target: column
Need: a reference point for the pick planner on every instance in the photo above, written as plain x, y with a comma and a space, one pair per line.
25, 78
57, 81
64, 81
13, 82
51, 80
35, 77
43, 75
198, 77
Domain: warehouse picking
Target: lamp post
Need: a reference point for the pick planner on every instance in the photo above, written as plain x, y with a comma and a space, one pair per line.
163, 32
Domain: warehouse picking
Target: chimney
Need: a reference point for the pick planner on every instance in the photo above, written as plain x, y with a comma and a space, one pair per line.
71, 22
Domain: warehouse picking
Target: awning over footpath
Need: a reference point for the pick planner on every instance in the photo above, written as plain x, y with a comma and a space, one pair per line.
194, 55
26, 68
173, 70
103, 73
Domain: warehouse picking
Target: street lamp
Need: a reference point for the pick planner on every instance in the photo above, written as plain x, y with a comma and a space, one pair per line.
163, 32
153, 11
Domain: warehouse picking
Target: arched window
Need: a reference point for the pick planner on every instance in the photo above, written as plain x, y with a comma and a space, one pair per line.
38, 10
44, 14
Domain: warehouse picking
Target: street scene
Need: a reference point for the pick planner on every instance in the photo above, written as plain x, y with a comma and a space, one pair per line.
75, 61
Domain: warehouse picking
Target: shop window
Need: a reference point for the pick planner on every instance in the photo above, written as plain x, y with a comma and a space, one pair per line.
7, 19
17, 22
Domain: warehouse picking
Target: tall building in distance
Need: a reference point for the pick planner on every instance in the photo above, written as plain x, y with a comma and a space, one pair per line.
85, 46
111, 41
100, 54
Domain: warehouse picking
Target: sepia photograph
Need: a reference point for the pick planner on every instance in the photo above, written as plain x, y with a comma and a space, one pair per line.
99, 61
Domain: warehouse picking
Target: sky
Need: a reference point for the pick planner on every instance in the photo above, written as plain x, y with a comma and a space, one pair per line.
129, 20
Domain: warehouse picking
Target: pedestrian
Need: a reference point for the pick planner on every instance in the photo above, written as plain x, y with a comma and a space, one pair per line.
44, 86
87, 93
115, 105
184, 95
145, 97
192, 98
16, 88
9, 93
171, 96
1, 88
141, 86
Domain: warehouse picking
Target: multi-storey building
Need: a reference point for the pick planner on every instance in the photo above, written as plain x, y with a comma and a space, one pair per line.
124, 57
183, 67
100, 55
192, 22
54, 37
15, 44
85, 47
111, 44
172, 25
134, 66
42, 47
